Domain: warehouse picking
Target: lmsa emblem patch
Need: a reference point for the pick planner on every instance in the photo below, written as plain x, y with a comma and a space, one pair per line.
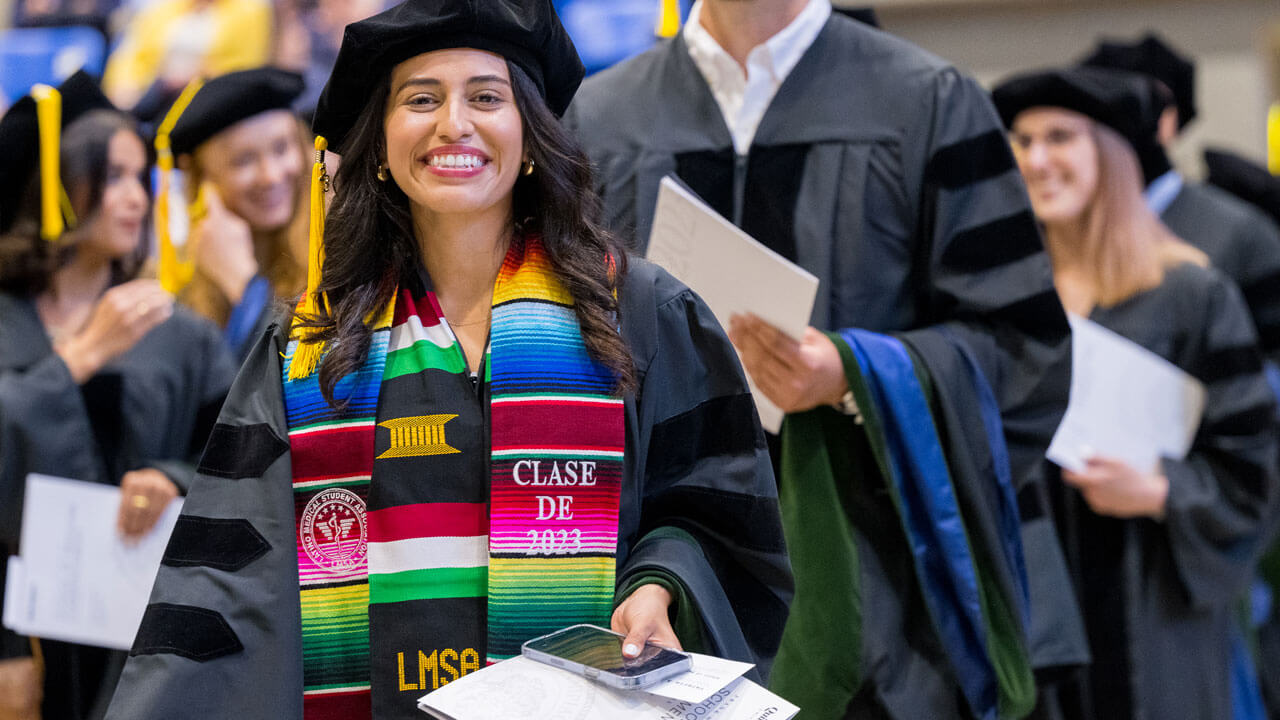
334, 530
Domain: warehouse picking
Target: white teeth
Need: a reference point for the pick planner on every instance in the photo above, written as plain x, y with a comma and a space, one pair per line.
456, 161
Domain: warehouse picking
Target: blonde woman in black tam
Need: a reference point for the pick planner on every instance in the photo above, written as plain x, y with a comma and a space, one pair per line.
102, 379
243, 153
1160, 553
485, 422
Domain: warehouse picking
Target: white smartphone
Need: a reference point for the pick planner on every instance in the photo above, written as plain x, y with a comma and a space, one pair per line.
596, 653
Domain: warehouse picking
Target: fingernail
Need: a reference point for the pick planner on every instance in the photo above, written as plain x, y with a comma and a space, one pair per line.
630, 649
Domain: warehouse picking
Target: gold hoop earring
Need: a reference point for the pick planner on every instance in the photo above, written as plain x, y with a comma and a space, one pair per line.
527, 169
382, 172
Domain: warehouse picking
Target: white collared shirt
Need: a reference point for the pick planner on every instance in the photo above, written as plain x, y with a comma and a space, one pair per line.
744, 97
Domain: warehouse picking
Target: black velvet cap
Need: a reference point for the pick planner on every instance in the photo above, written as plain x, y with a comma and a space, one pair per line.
20, 138
228, 99
1129, 103
1152, 56
527, 33
1123, 101
1245, 179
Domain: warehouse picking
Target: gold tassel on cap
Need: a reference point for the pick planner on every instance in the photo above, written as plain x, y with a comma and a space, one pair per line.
1273, 139
668, 18
55, 206
174, 272
306, 356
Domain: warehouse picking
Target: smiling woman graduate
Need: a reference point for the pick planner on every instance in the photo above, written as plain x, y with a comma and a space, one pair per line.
485, 423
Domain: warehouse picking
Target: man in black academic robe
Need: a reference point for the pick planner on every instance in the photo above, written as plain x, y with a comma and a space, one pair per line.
886, 173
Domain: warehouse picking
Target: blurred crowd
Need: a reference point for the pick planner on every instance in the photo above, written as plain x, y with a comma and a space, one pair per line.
158, 46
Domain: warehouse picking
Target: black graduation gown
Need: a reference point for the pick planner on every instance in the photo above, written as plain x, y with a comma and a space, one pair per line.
1242, 242
885, 172
1159, 596
698, 504
152, 407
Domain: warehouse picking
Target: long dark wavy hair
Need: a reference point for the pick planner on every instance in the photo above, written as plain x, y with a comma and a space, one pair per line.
27, 261
369, 243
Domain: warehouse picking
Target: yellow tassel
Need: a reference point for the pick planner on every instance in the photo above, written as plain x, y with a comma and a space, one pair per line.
306, 356
384, 318
1273, 139
174, 271
668, 18
49, 118
64, 200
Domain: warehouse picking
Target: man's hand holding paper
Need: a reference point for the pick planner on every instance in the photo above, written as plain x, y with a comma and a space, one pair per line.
794, 375
737, 276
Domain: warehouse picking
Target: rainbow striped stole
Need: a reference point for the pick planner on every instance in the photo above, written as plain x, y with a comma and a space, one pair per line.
332, 455
557, 445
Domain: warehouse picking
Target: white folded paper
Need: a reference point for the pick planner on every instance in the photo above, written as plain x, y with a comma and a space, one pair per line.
522, 689
730, 271
1126, 403
77, 579
707, 675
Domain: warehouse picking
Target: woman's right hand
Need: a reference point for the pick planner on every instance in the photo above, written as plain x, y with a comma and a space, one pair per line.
123, 315
224, 246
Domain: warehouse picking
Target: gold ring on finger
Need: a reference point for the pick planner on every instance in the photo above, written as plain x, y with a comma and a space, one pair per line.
140, 501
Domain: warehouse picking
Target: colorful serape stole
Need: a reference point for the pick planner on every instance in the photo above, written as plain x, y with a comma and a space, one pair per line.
332, 454
394, 550
557, 445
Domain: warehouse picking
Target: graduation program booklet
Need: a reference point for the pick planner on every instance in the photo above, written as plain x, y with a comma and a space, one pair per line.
523, 689
77, 579
731, 272
1126, 402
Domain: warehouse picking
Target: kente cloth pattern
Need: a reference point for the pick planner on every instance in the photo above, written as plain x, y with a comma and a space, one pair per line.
375, 549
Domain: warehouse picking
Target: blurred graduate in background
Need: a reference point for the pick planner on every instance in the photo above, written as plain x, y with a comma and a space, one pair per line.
102, 378
1240, 240
168, 43
1160, 555
242, 155
1233, 217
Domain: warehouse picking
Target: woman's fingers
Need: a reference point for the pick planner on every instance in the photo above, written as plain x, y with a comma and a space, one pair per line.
642, 618
125, 314
144, 495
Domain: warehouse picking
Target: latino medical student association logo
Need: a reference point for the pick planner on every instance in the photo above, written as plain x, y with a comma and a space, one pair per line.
334, 530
